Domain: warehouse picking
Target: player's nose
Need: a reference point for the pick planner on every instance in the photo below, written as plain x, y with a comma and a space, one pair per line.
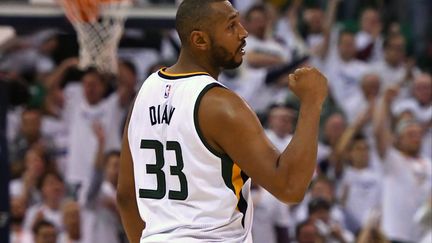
243, 32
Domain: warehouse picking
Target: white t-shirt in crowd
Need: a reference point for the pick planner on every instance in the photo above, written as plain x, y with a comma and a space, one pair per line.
406, 186
269, 213
24, 236
107, 222
50, 215
345, 77
16, 189
363, 193
278, 142
423, 114
56, 129
250, 82
83, 143
390, 75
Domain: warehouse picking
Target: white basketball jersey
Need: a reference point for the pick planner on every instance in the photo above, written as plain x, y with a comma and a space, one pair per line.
186, 192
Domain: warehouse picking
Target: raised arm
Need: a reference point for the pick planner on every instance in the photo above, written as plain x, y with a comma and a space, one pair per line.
328, 25
231, 127
351, 130
99, 164
383, 135
263, 60
57, 75
126, 200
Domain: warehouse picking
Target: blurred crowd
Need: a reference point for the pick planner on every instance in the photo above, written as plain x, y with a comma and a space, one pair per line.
373, 180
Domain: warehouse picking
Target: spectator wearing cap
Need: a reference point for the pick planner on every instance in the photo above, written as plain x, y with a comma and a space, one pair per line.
407, 175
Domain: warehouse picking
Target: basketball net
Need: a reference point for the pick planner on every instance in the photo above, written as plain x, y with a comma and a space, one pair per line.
99, 25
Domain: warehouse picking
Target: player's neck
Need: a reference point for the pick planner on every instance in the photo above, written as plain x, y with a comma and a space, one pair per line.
188, 63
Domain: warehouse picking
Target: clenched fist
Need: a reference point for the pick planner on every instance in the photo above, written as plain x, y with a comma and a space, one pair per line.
309, 84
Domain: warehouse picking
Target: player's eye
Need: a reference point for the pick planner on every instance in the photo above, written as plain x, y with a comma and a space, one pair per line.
231, 26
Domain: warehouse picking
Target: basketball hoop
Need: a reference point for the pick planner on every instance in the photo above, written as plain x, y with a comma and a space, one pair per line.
99, 25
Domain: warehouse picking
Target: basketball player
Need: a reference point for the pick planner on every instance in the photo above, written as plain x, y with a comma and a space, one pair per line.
190, 144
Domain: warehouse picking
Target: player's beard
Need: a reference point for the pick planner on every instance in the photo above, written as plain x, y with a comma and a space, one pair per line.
222, 57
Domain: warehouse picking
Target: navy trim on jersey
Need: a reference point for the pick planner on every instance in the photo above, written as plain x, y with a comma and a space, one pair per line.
226, 162
196, 121
242, 204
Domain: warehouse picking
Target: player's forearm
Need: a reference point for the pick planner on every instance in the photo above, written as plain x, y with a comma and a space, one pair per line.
130, 217
297, 163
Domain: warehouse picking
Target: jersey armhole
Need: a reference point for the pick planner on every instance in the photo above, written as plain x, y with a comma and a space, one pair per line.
196, 120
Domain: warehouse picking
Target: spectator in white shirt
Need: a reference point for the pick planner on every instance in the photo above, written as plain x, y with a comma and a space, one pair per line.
322, 188
333, 129
407, 175
343, 70
17, 213
360, 185
369, 41
86, 106
101, 198
25, 187
30, 135
270, 219
280, 124
52, 189
420, 106
263, 52
420, 102
394, 69
370, 88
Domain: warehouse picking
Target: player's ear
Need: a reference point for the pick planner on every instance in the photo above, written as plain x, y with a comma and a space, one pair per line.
200, 40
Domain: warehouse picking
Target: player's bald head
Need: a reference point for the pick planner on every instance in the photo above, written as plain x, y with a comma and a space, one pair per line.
194, 15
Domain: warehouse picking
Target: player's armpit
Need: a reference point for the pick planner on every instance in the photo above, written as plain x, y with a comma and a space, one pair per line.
231, 127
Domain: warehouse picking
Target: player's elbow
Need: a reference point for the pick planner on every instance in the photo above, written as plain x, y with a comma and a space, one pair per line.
293, 196
290, 193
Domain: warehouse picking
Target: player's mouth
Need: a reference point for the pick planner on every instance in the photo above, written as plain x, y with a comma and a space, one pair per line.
241, 49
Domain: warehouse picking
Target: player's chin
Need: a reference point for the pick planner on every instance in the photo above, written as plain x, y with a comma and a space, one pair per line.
234, 65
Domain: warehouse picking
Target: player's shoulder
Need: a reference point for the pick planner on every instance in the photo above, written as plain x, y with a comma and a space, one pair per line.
222, 102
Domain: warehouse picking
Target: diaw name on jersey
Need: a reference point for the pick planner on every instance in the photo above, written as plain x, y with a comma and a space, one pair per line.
157, 118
